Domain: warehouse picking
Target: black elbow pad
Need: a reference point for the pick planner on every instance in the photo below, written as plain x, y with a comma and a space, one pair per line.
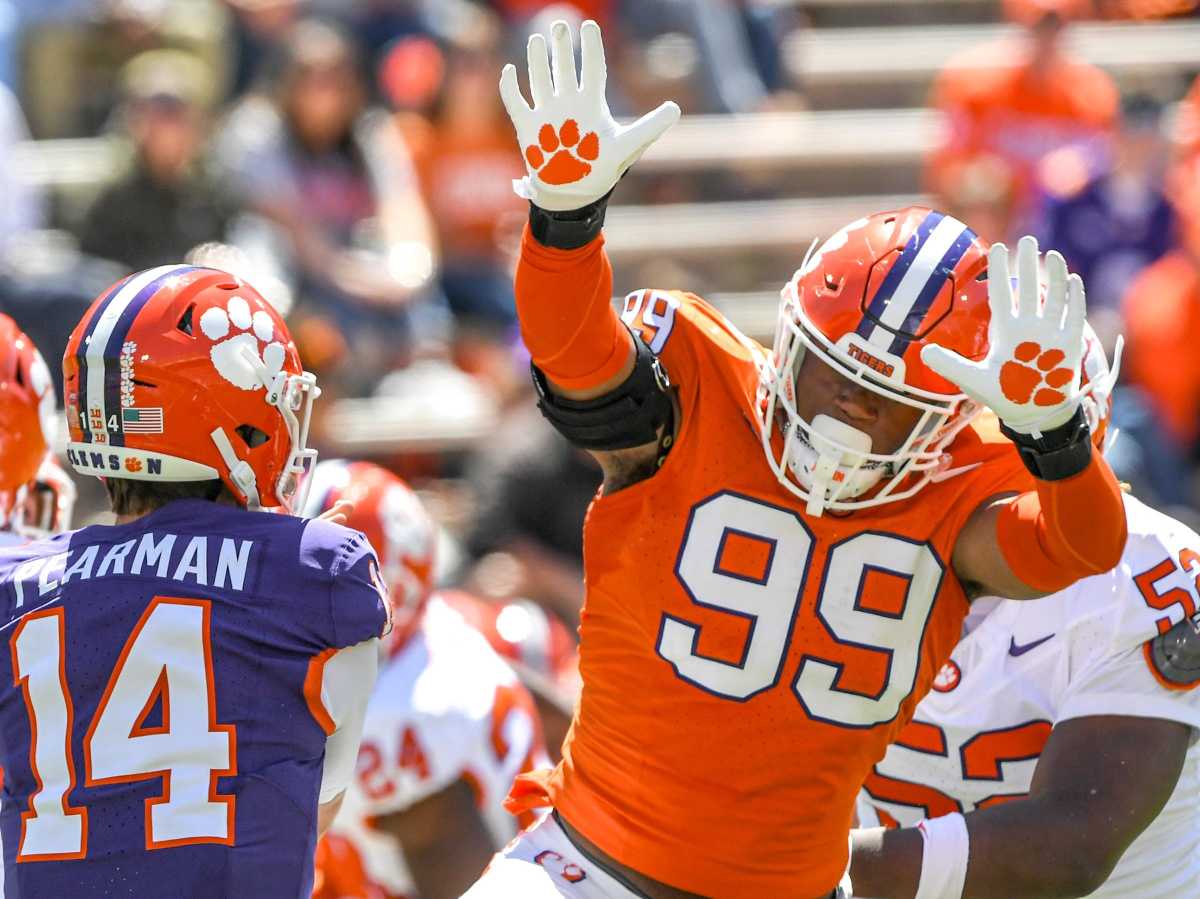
631, 415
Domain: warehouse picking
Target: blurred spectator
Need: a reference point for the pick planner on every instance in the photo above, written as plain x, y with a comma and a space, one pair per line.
528, 546
72, 66
466, 157
1187, 124
730, 50
258, 27
334, 177
1019, 103
166, 204
1162, 314
22, 208
1112, 225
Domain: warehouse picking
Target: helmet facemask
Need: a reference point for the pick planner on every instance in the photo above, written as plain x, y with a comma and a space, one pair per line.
827, 462
292, 395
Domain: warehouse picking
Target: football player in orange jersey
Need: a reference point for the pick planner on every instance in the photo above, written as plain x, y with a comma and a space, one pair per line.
756, 631
36, 495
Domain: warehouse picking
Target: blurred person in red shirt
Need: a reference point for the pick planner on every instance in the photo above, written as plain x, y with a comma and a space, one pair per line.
465, 160
1162, 323
1017, 102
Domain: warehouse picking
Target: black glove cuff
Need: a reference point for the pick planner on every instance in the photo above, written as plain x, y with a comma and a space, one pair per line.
1057, 454
568, 230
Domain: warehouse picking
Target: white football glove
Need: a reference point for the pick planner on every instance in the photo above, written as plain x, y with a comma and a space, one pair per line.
1030, 377
575, 152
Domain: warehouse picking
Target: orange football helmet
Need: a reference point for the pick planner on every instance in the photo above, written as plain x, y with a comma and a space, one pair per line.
395, 521
865, 302
27, 414
537, 645
181, 373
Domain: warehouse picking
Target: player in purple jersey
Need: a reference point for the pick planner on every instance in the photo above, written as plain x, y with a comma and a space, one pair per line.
188, 684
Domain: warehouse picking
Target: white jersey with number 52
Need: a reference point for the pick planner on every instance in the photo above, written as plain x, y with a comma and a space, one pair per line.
1023, 667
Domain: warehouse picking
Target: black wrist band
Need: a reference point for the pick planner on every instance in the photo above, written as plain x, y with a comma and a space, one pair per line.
568, 230
1057, 454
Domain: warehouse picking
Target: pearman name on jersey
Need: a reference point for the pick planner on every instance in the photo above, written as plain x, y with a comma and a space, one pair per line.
100, 461
189, 560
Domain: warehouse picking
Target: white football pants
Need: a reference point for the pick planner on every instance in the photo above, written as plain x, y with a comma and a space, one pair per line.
541, 863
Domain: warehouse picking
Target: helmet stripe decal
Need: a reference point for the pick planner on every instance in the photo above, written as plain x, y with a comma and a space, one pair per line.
933, 286
891, 282
116, 340
95, 407
81, 359
940, 248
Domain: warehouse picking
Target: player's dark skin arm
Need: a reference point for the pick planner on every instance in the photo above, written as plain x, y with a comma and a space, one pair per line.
977, 560
626, 466
446, 844
1099, 783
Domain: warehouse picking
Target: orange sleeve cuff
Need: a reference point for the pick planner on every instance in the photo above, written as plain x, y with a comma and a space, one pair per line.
1065, 530
564, 303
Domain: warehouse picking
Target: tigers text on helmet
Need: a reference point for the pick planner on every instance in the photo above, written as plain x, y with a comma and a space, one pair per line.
865, 302
181, 373
394, 520
27, 418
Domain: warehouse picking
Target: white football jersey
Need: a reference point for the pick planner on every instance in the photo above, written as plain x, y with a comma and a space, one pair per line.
1025, 666
446, 707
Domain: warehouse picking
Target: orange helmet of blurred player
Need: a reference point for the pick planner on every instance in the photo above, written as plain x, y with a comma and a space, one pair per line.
865, 302
27, 415
392, 517
537, 645
181, 373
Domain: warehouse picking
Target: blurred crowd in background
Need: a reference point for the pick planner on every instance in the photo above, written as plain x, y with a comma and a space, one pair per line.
351, 158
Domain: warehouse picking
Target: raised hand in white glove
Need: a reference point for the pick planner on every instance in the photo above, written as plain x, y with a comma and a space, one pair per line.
575, 151
1030, 377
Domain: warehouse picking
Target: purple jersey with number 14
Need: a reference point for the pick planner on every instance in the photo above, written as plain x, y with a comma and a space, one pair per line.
163, 733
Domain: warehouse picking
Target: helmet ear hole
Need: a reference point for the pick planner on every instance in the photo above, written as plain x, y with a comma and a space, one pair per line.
185, 320
252, 436
19, 377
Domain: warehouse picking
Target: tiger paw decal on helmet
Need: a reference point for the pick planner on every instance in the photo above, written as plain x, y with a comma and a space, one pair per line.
237, 335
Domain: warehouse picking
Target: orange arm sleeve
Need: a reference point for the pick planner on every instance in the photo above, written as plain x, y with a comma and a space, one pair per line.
564, 304
1065, 530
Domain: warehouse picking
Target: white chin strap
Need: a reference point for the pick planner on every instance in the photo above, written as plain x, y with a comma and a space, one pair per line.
240, 471
829, 463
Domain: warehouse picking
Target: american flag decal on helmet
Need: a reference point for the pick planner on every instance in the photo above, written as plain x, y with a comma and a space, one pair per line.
142, 421
895, 312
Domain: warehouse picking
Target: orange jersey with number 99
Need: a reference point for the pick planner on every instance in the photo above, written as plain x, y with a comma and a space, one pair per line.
745, 664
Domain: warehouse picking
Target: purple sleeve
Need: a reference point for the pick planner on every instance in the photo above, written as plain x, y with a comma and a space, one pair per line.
358, 599
358, 605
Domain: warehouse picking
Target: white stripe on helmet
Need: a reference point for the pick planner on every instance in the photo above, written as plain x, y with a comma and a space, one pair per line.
941, 239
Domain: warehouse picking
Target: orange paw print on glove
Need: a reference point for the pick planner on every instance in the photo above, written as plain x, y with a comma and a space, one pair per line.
1032, 373
568, 164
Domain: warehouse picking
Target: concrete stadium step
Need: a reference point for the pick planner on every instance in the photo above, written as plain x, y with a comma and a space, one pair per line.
849, 68
714, 229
